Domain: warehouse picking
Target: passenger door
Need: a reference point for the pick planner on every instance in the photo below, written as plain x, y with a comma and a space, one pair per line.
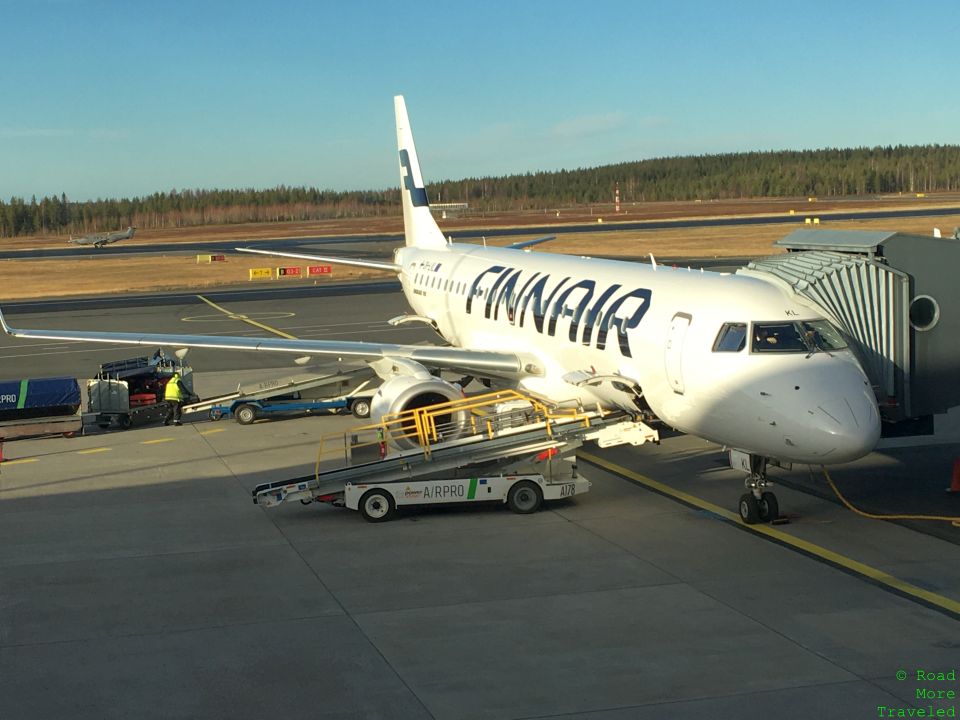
673, 358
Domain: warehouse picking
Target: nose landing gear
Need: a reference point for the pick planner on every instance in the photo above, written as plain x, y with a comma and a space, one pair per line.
758, 504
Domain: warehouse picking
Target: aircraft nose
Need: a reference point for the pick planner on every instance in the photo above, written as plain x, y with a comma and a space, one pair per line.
842, 414
848, 421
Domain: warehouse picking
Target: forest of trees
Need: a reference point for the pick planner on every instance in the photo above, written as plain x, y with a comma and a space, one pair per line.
829, 172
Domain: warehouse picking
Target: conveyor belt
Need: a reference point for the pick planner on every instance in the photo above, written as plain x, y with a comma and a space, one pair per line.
268, 389
462, 452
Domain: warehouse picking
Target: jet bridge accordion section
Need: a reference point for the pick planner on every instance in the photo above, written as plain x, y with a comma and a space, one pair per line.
869, 300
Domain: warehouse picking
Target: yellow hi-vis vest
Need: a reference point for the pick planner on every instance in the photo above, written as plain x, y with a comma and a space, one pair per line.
172, 391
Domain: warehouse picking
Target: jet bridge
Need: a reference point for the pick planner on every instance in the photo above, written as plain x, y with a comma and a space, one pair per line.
894, 295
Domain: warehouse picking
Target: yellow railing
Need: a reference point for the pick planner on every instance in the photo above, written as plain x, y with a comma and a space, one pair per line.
423, 427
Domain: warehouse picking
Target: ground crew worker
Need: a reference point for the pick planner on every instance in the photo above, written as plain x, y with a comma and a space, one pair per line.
381, 441
174, 394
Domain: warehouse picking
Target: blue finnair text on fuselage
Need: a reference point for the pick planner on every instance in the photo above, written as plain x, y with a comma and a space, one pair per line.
612, 308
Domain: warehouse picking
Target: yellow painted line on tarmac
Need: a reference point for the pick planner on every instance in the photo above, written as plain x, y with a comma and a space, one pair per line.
18, 461
91, 451
834, 558
249, 321
211, 432
154, 442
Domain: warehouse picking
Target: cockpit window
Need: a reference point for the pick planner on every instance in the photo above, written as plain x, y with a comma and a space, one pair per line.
731, 338
777, 337
822, 335
805, 336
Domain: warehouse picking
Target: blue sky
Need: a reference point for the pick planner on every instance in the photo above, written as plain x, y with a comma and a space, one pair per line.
112, 99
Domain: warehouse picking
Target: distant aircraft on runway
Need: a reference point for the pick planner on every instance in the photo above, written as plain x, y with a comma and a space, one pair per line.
734, 359
101, 239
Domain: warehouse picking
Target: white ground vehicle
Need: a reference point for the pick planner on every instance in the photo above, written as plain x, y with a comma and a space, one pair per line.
520, 457
522, 493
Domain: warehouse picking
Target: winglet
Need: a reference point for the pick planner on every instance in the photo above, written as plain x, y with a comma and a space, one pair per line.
3, 324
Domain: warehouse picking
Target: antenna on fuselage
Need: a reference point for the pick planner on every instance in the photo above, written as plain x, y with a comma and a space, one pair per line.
484, 240
653, 261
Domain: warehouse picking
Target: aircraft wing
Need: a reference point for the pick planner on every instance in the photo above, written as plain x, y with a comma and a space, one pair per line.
376, 264
530, 243
470, 361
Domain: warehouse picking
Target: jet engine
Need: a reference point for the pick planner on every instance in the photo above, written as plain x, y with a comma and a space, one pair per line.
410, 392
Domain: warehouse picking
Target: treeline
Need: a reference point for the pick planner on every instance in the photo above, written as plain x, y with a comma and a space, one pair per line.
829, 172
58, 215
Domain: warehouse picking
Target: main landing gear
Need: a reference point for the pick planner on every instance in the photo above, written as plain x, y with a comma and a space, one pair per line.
758, 504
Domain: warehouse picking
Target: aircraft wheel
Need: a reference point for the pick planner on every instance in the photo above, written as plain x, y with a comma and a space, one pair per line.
749, 509
245, 414
524, 497
361, 408
377, 506
769, 507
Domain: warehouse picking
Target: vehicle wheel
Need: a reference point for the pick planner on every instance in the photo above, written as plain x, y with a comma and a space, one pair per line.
377, 506
245, 414
216, 414
103, 425
749, 509
125, 422
769, 507
524, 497
361, 408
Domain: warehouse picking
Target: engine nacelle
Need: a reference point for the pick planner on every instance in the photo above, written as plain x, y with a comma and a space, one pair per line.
407, 392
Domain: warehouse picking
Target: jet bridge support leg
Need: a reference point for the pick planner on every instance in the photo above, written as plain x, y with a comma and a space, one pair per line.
758, 504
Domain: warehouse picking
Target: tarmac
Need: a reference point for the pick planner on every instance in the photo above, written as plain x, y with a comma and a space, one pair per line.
137, 579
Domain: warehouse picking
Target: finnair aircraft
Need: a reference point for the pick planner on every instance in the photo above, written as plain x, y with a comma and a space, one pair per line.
733, 359
101, 239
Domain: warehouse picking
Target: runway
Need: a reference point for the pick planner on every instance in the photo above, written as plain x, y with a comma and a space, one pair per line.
138, 580
244, 293
312, 243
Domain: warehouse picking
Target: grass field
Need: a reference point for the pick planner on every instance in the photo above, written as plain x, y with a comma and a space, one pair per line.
92, 275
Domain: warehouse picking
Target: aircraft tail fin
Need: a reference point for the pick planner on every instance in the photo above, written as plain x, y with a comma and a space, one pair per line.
419, 227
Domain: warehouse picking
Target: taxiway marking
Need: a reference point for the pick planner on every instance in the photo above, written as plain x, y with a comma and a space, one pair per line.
19, 461
901, 587
154, 442
91, 451
249, 321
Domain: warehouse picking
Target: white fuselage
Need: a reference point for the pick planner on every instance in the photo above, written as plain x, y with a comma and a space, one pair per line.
571, 318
